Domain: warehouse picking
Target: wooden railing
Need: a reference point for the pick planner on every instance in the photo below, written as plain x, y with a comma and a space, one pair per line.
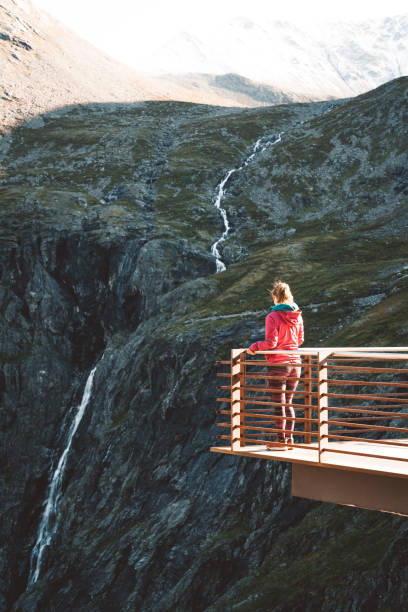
344, 395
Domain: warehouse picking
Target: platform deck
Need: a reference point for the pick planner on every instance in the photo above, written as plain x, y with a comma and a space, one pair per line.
392, 460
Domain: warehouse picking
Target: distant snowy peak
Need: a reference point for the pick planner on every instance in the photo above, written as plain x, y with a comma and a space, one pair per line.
338, 59
186, 53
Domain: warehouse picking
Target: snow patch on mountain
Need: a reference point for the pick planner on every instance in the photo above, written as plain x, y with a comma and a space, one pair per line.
330, 60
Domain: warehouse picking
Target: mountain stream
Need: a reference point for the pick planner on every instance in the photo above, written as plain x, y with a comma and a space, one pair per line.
220, 190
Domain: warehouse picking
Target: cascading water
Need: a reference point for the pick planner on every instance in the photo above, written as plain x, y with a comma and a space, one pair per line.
49, 520
220, 266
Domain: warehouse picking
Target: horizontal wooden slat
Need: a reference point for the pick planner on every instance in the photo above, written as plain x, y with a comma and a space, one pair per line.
271, 364
339, 381
268, 430
375, 356
252, 439
367, 418
267, 398
367, 370
377, 398
345, 349
268, 389
366, 410
260, 402
350, 431
347, 359
248, 410
334, 436
274, 416
272, 376
260, 376
251, 425
362, 426
277, 404
276, 364
262, 389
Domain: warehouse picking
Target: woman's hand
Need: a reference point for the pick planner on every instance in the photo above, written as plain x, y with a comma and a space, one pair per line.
250, 352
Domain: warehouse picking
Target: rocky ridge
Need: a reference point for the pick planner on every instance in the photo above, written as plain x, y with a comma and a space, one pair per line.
107, 221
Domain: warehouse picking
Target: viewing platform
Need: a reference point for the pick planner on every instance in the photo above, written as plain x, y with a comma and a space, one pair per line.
351, 430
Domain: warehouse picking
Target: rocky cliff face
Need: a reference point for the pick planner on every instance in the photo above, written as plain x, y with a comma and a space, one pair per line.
107, 222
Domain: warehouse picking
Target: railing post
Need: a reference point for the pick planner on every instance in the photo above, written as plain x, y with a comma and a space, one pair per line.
237, 396
322, 402
307, 387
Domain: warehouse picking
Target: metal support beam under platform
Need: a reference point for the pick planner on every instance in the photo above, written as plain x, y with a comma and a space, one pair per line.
361, 489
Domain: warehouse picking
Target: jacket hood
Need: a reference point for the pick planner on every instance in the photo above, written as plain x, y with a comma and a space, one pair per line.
291, 317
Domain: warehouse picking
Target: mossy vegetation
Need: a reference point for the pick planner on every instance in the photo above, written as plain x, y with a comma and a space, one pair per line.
297, 566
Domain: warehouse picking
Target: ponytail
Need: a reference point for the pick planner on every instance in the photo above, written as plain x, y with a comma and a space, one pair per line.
281, 292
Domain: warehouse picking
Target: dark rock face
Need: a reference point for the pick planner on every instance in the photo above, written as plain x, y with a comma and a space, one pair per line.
15, 41
107, 222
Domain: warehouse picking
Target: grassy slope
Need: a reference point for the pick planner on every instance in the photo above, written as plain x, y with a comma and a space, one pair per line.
335, 264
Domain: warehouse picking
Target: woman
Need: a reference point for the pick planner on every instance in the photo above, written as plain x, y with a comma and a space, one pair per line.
283, 330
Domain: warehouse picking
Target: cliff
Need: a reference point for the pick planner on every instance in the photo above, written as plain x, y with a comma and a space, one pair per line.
107, 222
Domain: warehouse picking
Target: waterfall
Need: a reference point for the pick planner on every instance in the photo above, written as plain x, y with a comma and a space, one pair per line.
220, 266
49, 520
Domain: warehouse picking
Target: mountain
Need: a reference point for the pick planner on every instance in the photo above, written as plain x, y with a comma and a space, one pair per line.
317, 61
107, 221
44, 65
226, 90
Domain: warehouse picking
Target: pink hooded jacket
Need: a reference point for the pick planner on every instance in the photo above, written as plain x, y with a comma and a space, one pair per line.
283, 330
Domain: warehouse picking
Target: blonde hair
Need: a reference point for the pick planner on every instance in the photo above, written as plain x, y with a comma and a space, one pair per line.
281, 292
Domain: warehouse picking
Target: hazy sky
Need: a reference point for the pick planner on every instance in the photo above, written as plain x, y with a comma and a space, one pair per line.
126, 28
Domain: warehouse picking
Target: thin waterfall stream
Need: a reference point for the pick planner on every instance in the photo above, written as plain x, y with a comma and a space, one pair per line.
261, 144
49, 520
